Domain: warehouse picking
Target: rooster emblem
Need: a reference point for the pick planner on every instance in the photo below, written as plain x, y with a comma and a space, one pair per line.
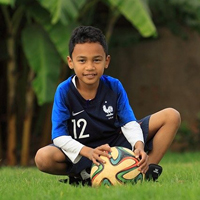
108, 110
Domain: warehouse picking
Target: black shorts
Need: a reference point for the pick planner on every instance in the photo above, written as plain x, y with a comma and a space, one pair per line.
84, 163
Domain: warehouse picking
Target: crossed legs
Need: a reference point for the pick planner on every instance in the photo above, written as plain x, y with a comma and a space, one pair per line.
163, 126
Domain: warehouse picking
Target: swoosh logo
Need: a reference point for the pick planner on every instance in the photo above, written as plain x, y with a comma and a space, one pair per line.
77, 113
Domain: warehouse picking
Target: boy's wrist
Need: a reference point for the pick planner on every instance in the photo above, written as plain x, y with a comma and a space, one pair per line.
139, 145
85, 151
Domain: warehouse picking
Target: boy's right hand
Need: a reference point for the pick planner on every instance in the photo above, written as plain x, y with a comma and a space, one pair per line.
103, 150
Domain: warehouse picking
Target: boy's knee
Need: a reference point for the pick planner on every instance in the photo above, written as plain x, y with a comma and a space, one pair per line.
41, 160
173, 115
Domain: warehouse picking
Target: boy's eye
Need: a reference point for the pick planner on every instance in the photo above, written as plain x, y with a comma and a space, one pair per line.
81, 60
97, 60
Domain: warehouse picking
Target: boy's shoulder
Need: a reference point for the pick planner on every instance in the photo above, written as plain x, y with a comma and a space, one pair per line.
65, 83
110, 81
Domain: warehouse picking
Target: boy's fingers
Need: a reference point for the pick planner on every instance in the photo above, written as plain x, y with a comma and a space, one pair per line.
143, 168
105, 147
103, 150
137, 153
98, 161
95, 162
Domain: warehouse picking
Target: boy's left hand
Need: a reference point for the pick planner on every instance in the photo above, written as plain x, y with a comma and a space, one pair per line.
143, 157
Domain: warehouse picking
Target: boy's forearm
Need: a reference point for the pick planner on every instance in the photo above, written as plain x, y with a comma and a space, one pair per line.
85, 151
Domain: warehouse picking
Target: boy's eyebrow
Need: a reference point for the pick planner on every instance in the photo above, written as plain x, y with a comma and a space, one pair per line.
81, 56
97, 56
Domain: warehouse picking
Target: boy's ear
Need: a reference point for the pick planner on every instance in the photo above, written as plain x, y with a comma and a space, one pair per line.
70, 62
107, 61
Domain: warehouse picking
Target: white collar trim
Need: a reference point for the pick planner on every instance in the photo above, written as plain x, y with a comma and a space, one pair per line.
74, 81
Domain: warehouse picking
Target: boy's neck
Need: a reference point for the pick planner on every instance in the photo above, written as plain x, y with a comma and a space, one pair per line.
88, 92
87, 95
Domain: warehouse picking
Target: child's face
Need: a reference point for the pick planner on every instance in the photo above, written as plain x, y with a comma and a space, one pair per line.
88, 62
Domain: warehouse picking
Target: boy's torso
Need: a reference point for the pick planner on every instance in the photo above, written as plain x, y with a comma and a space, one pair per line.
97, 121
93, 120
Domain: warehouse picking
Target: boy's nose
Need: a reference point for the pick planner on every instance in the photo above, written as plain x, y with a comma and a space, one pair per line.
90, 66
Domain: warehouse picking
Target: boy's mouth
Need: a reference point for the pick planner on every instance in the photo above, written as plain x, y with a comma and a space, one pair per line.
90, 75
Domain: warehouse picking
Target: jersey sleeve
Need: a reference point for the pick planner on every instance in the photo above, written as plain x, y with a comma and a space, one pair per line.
124, 110
60, 113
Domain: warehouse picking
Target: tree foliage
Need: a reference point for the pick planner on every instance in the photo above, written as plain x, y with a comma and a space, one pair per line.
176, 13
55, 20
37, 33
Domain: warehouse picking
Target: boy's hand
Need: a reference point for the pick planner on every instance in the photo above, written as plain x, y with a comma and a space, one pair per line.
102, 150
143, 157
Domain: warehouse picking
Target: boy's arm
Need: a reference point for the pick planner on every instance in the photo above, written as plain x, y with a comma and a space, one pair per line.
69, 146
133, 133
75, 150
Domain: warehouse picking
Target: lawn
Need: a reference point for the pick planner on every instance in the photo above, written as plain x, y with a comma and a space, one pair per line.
180, 180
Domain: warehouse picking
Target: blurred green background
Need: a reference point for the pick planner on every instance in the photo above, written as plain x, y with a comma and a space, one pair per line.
154, 48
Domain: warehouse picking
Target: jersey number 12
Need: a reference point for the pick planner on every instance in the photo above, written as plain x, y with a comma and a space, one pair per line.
81, 123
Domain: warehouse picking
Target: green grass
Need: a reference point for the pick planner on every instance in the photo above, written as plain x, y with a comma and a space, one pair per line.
180, 180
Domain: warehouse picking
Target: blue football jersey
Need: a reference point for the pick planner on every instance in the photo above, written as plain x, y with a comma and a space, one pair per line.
91, 122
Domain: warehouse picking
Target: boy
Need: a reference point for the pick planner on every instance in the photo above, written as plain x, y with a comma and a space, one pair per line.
91, 113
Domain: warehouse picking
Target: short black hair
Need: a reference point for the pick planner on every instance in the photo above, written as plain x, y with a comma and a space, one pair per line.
83, 34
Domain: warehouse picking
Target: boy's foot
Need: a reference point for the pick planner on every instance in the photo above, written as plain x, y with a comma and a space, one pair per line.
82, 179
76, 181
153, 172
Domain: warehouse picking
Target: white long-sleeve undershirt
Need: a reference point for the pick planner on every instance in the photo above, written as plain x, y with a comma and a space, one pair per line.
70, 147
133, 132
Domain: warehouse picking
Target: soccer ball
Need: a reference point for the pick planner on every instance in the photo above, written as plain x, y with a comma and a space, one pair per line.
121, 168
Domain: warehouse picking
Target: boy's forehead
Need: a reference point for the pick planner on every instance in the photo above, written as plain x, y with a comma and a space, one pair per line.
88, 48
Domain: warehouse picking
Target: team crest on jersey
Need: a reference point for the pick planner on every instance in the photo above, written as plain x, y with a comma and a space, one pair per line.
108, 110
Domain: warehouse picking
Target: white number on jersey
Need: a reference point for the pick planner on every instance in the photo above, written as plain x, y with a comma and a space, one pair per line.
81, 123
